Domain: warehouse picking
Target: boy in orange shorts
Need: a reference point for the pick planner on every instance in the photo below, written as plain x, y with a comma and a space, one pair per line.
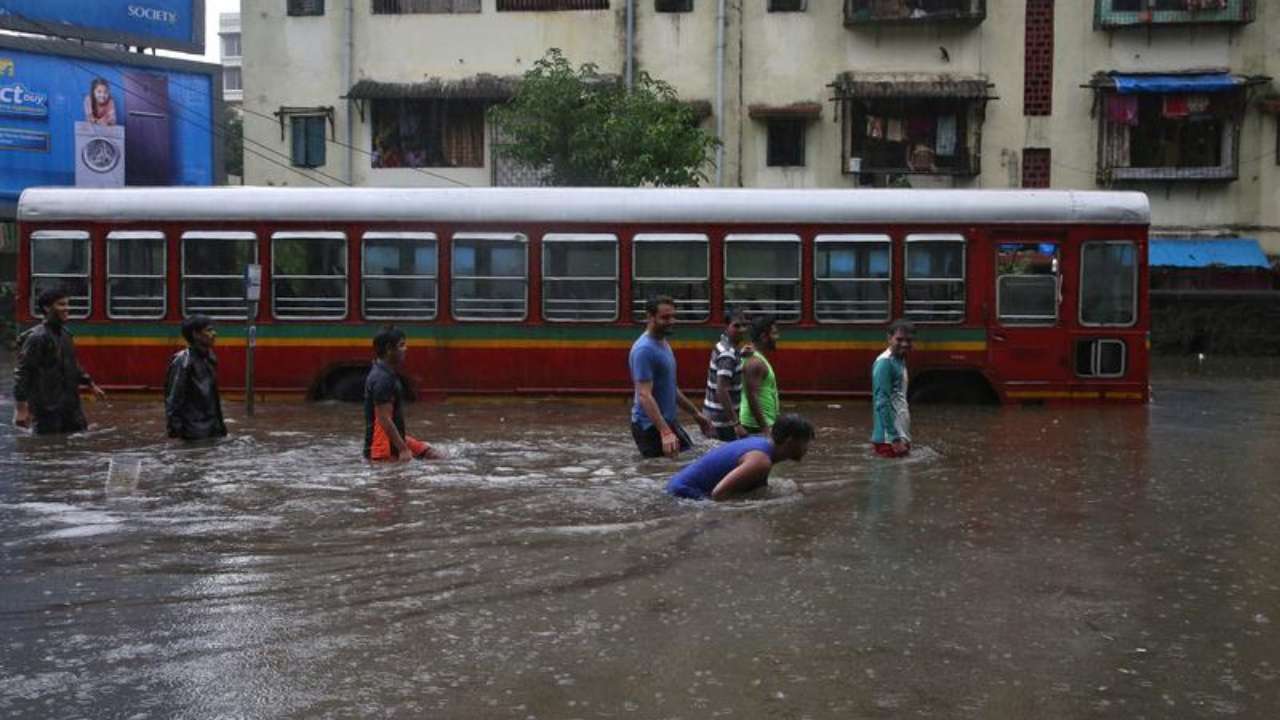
384, 435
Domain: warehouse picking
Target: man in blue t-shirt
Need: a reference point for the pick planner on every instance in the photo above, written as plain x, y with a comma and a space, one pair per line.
743, 465
654, 425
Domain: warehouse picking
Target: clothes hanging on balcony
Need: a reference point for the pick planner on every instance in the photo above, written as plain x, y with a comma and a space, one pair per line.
1175, 107
945, 144
895, 130
875, 127
1122, 110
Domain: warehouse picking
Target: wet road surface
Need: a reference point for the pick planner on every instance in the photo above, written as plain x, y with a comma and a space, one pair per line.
1114, 562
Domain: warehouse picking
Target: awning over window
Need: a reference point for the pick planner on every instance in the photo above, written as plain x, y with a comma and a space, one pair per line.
477, 87
805, 110
1198, 83
1206, 252
911, 85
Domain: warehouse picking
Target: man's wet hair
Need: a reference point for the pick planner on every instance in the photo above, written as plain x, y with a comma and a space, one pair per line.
902, 324
790, 426
387, 340
760, 326
651, 307
193, 325
734, 314
49, 297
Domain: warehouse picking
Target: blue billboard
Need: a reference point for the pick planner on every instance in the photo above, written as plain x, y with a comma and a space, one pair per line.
172, 24
67, 120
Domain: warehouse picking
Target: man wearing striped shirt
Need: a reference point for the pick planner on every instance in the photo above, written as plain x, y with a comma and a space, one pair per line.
724, 378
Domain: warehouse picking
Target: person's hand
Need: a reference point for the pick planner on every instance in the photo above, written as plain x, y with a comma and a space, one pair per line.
708, 428
747, 349
740, 431
670, 444
900, 447
21, 415
404, 455
97, 391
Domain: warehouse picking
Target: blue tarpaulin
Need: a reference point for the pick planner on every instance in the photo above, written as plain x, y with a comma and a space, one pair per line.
1205, 252
1201, 83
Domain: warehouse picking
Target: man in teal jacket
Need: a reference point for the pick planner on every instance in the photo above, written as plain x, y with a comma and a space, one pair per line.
891, 432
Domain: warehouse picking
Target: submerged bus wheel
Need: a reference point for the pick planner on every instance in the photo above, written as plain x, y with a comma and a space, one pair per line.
343, 385
952, 386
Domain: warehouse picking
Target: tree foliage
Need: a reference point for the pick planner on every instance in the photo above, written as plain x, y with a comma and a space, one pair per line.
585, 129
233, 142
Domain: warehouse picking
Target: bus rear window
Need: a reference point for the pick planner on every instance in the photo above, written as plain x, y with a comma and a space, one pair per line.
1027, 283
762, 275
677, 265
213, 265
309, 275
490, 276
579, 277
60, 260
136, 274
1108, 283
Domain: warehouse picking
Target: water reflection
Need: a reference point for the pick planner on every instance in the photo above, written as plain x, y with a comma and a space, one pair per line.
1025, 562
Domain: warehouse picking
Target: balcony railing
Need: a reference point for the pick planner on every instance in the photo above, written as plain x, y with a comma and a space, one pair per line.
914, 12
1112, 14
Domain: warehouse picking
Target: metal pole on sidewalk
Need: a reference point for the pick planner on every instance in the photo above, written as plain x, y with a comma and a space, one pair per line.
251, 342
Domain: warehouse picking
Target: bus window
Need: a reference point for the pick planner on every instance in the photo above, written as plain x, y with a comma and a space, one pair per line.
851, 276
1027, 283
1108, 283
580, 277
60, 259
1101, 358
490, 276
213, 273
136, 273
762, 274
934, 287
309, 275
399, 275
677, 265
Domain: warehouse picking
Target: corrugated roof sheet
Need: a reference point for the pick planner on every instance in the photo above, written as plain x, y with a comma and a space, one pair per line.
899, 85
1205, 252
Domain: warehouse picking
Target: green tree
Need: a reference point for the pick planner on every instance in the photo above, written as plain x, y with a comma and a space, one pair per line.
233, 142
587, 129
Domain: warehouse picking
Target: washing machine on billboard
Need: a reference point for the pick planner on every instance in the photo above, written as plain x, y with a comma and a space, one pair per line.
99, 155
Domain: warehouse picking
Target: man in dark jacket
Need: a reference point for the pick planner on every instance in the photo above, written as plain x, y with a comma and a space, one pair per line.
47, 377
192, 408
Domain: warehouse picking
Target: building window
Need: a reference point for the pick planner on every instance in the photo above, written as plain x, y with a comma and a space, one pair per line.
676, 265
551, 5
1126, 13
935, 278
309, 275
399, 276
428, 133
1170, 136
785, 142
762, 275
213, 264
232, 80
297, 8
231, 45
673, 6
1037, 167
408, 7
580, 277
490, 276
1027, 283
851, 278
308, 140
1037, 83
1108, 284
786, 5
913, 11
60, 259
136, 273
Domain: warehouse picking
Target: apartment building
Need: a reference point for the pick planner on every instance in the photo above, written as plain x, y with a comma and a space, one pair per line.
1172, 97
232, 75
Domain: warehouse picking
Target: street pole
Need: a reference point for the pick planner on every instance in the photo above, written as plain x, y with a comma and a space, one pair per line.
251, 342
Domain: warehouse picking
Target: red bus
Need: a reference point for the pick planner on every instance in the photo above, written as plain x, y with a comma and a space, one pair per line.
1017, 295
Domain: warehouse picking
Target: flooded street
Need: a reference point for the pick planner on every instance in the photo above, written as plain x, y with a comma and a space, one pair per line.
1109, 562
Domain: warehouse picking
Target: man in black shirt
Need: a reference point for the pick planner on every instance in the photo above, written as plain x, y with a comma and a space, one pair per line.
47, 377
384, 435
192, 408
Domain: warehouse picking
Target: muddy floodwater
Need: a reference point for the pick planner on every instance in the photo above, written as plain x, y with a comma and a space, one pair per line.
1102, 562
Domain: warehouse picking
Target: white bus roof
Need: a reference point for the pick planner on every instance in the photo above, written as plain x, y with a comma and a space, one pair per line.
583, 205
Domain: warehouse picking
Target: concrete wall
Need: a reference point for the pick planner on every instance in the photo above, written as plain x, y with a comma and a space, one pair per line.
772, 59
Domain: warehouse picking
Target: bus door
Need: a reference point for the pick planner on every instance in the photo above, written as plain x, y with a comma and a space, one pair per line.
1026, 344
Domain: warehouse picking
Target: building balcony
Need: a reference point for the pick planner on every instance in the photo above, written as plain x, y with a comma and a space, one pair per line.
1114, 14
914, 12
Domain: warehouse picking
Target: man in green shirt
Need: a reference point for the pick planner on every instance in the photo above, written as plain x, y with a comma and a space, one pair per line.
891, 432
759, 406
